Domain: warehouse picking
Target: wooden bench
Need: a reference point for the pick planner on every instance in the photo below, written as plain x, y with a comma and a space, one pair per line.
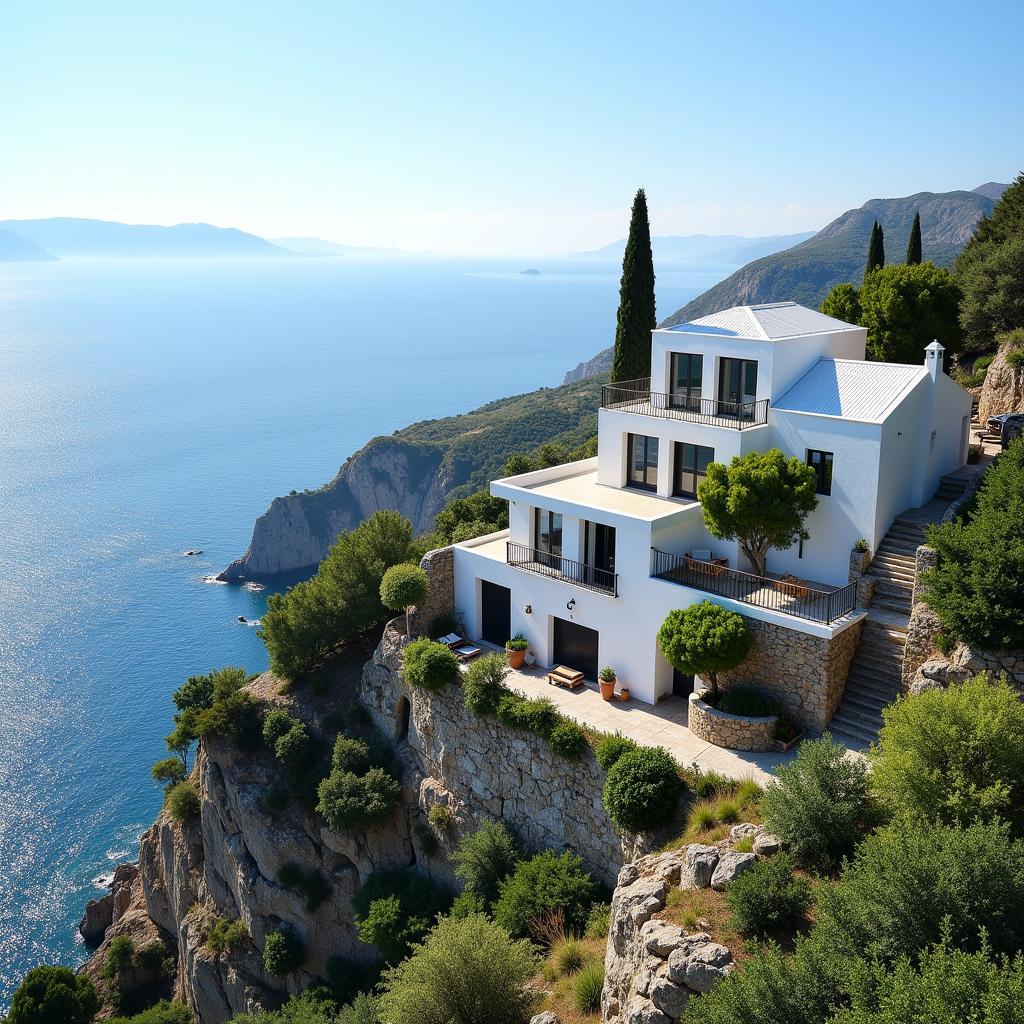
562, 675
707, 567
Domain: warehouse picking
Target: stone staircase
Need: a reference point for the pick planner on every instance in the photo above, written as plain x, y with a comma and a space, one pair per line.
876, 672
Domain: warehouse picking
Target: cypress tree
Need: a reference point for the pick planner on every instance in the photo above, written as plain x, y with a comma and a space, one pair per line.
636, 317
876, 249
914, 245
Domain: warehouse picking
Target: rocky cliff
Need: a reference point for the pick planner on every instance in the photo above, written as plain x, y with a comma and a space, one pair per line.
1003, 389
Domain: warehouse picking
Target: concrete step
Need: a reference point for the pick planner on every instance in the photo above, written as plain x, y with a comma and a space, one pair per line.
892, 604
886, 686
893, 562
894, 586
880, 696
869, 663
888, 622
851, 732
861, 703
894, 547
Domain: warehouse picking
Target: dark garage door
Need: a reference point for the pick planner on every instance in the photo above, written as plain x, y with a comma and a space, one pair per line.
576, 646
496, 613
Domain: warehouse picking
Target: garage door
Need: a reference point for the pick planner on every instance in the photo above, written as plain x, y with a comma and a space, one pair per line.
496, 613
576, 646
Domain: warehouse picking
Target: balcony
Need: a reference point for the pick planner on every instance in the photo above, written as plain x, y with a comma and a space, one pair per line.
778, 595
564, 569
636, 396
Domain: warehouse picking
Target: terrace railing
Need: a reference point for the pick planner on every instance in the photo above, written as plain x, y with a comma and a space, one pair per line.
791, 597
636, 396
522, 556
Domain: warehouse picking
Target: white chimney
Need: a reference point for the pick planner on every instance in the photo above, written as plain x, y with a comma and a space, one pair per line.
933, 360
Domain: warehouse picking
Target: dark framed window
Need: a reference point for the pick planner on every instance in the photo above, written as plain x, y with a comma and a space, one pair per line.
685, 385
737, 381
821, 463
642, 469
548, 534
691, 465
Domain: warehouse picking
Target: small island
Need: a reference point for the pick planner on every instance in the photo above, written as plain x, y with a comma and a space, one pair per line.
531, 271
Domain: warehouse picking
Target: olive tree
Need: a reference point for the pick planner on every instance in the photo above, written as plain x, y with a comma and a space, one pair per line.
704, 639
760, 499
403, 586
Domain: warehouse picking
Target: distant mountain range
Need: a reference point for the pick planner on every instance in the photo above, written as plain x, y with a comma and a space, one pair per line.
322, 247
731, 249
15, 247
807, 271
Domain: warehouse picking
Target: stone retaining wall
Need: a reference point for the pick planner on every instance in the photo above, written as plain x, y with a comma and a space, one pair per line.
439, 566
737, 732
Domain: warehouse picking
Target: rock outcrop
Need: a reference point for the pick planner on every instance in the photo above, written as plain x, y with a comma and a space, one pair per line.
1003, 390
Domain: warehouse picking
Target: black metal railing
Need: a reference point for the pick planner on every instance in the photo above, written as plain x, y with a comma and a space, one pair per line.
637, 396
791, 597
524, 557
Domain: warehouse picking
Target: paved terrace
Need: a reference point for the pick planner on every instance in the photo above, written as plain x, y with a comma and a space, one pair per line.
661, 725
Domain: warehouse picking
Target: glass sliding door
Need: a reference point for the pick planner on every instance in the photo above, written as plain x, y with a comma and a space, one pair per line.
599, 554
737, 386
548, 537
686, 381
691, 466
642, 470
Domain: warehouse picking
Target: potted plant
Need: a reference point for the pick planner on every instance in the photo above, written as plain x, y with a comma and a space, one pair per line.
606, 679
515, 650
787, 734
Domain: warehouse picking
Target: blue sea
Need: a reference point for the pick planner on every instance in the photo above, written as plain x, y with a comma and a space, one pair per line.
152, 407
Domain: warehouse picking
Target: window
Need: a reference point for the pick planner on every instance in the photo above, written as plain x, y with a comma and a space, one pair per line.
642, 470
821, 463
685, 385
691, 464
548, 536
737, 384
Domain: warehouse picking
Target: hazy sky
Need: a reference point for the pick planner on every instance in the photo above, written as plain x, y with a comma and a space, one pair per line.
514, 127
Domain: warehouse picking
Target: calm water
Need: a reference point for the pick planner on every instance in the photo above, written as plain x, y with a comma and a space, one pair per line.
147, 408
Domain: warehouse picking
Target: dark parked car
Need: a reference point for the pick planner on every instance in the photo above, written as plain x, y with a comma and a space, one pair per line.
1008, 425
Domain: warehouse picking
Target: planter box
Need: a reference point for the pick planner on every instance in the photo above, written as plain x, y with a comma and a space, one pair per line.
735, 732
783, 746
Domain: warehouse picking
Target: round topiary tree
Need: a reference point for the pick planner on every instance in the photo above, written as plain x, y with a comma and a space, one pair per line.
402, 587
642, 789
54, 995
704, 639
429, 665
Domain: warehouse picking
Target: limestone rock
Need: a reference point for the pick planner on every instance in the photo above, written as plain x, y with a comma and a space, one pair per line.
744, 830
730, 865
547, 1017
699, 963
99, 915
668, 996
660, 938
642, 1011
766, 844
699, 863
1002, 390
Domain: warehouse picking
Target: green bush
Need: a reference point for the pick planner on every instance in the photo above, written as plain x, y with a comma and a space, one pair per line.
977, 587
818, 805
283, 952
295, 749
954, 755
484, 859
610, 748
315, 1006
483, 683
768, 896
403, 586
350, 801
276, 724
182, 801
587, 987
441, 817
169, 770
536, 714
226, 934
466, 904
468, 971
215, 704
120, 957
599, 920
53, 995
911, 884
540, 885
161, 1013
704, 639
567, 739
351, 755
642, 789
749, 703
568, 955
429, 665
395, 909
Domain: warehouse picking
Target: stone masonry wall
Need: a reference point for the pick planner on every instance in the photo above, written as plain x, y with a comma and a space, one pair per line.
736, 732
805, 674
439, 566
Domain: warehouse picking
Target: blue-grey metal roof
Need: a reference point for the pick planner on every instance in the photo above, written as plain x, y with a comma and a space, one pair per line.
769, 321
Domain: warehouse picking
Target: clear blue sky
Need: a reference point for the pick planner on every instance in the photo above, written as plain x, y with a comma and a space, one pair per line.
519, 127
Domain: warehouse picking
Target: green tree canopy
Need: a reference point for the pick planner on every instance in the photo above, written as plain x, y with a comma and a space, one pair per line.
876, 249
906, 306
843, 302
990, 272
53, 995
914, 242
704, 639
760, 499
403, 586
636, 317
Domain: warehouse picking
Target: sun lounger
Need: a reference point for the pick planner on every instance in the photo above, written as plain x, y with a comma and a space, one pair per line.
466, 651
562, 675
450, 639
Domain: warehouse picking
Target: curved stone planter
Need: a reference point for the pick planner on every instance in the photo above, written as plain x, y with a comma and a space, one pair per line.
736, 732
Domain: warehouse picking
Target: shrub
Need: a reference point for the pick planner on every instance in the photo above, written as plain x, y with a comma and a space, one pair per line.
610, 748
276, 724
912, 883
607, 674
749, 703
466, 904
954, 755
704, 639
587, 987
120, 957
215, 705
283, 952
517, 643
349, 801
642, 788
819, 803
226, 934
182, 801
53, 995
568, 740
542, 884
599, 920
429, 665
768, 896
295, 748
169, 771
484, 859
483, 683
441, 817
351, 755
567, 955
160, 1013
708, 784
401, 587
395, 909
467, 971
538, 714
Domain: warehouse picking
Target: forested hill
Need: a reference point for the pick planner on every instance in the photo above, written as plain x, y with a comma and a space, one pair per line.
837, 253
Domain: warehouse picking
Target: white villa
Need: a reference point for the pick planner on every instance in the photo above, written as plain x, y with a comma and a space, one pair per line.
599, 551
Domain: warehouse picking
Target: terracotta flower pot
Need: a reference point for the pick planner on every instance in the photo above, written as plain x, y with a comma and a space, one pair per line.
515, 658
607, 689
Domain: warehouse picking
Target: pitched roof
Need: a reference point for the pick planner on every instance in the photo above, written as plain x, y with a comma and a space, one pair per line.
851, 389
770, 321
